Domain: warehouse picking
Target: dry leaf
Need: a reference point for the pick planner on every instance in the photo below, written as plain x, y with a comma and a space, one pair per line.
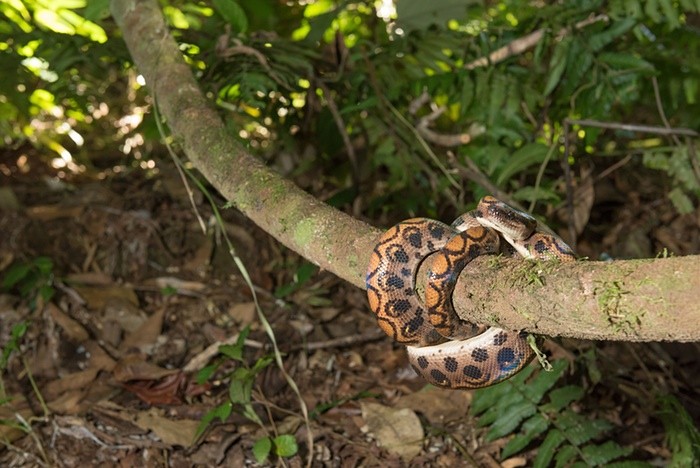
171, 431
181, 286
76, 380
168, 391
133, 367
68, 402
397, 430
51, 212
514, 462
146, 335
99, 359
93, 278
438, 405
96, 297
73, 329
243, 313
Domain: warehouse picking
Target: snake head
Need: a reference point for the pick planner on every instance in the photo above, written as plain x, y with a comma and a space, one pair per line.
510, 222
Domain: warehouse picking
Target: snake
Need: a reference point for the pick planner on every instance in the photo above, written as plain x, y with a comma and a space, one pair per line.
444, 349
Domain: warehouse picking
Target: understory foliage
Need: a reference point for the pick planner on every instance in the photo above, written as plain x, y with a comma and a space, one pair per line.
536, 410
336, 85
539, 411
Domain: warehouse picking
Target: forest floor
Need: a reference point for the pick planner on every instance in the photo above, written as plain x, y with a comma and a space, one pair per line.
106, 372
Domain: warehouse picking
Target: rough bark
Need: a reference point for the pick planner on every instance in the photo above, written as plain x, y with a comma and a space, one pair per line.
640, 300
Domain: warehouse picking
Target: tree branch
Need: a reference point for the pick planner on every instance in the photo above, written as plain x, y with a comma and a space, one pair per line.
657, 298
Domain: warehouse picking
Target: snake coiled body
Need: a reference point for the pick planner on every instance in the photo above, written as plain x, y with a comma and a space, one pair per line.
443, 348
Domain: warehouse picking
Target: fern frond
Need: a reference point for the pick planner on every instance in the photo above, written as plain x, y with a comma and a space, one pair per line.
535, 409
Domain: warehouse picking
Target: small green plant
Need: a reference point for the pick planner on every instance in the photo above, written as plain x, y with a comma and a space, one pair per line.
19, 423
285, 445
538, 410
682, 437
240, 394
33, 280
18, 331
303, 274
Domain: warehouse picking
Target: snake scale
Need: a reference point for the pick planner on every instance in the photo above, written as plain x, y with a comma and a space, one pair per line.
444, 349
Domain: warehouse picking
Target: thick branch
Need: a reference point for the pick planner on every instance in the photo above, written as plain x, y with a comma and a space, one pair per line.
631, 300
593, 300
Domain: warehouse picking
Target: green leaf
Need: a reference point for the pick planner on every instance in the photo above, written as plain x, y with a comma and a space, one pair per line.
285, 445
682, 203
530, 194
492, 414
235, 351
557, 65
232, 351
222, 412
206, 372
545, 380
303, 274
516, 413
624, 61
261, 449
241, 386
46, 292
15, 274
562, 397
596, 455
580, 430
96, 10
18, 331
565, 455
250, 413
532, 428
44, 265
547, 450
501, 394
617, 29
319, 24
233, 14
533, 153
262, 363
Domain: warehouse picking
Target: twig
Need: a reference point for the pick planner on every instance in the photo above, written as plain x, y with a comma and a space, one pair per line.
200, 360
609, 170
569, 188
635, 128
341, 342
343, 133
519, 46
473, 173
691, 148
442, 139
660, 108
